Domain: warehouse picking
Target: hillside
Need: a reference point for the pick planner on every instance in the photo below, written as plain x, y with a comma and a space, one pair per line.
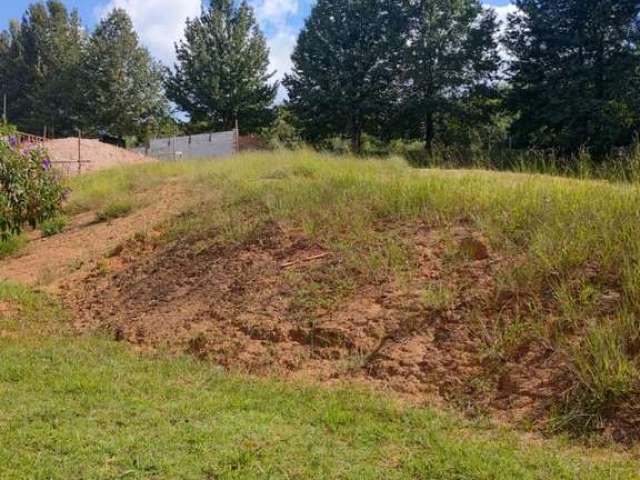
504, 298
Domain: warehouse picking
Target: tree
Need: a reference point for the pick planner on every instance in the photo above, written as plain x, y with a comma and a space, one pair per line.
39, 60
123, 89
221, 74
451, 60
344, 68
574, 73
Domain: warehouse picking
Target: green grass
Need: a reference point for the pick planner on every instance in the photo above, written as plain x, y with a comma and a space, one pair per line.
12, 245
115, 209
91, 408
54, 226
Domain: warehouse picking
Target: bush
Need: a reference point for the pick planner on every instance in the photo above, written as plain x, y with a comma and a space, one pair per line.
30, 191
11, 245
53, 226
282, 133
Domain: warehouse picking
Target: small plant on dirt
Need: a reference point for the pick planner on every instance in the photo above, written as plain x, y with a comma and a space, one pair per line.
102, 267
116, 209
54, 226
30, 191
11, 245
438, 297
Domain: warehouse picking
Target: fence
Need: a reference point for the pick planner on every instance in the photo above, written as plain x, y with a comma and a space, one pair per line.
206, 145
71, 167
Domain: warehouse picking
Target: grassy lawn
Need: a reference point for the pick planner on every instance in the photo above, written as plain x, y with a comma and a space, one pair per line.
90, 408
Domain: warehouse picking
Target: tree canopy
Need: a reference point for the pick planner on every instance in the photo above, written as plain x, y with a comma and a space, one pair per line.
122, 85
574, 73
222, 70
39, 59
344, 71
451, 59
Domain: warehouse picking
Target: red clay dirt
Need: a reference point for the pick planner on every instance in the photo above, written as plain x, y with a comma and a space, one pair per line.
249, 308
49, 260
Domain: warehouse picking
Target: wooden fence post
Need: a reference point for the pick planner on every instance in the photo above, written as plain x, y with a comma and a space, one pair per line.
79, 152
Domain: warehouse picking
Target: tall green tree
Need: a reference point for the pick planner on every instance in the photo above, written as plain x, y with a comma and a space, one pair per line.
450, 65
222, 70
574, 74
39, 60
344, 73
122, 84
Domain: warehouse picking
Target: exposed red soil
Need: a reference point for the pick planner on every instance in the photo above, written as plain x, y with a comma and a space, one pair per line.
94, 155
49, 260
248, 308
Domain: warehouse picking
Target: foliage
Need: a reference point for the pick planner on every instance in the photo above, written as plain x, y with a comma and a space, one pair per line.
344, 70
449, 61
123, 92
283, 132
54, 226
115, 209
39, 60
30, 191
574, 72
11, 244
221, 74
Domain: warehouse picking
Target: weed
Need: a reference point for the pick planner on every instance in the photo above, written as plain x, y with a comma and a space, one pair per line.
54, 226
438, 297
113, 210
12, 245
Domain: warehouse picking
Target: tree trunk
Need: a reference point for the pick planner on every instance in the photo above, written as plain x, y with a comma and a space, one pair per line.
429, 132
356, 136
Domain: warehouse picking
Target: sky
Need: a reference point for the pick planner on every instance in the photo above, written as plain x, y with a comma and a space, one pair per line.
160, 23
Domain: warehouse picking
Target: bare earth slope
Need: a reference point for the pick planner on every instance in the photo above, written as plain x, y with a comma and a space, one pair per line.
47, 261
250, 308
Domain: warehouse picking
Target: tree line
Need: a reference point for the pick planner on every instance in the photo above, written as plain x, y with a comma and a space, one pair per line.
561, 74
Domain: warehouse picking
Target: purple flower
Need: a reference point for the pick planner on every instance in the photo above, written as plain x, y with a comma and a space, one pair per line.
13, 141
46, 163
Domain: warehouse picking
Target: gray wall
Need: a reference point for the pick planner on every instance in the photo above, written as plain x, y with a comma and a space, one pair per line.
205, 145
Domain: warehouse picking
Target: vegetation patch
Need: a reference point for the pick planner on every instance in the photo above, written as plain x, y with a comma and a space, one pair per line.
426, 269
54, 226
114, 210
11, 245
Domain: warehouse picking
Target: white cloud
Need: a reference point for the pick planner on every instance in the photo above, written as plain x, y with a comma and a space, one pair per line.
275, 18
275, 12
281, 46
159, 23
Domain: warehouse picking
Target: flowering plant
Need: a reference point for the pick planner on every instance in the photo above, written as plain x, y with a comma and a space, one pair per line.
30, 190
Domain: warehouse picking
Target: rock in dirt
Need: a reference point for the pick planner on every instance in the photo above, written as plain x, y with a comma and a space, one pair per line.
474, 248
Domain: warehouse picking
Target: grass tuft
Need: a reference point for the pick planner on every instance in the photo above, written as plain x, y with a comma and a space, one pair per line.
116, 209
54, 226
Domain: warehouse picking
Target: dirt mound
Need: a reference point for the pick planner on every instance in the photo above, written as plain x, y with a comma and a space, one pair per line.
94, 155
278, 304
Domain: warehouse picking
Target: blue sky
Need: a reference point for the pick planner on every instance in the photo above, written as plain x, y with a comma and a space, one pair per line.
161, 22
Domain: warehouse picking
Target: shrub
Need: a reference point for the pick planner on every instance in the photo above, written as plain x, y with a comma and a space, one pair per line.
30, 191
282, 133
11, 244
53, 226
